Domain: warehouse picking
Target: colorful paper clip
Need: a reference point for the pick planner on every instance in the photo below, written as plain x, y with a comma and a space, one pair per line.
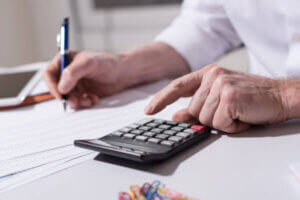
154, 191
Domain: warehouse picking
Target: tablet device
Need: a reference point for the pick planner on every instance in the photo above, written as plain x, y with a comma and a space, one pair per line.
16, 86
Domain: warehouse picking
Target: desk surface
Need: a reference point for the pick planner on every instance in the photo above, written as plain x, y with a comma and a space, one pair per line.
251, 165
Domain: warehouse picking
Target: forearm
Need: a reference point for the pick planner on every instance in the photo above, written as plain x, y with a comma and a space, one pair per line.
152, 62
291, 98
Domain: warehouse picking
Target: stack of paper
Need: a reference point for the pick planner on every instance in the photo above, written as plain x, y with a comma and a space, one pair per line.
38, 141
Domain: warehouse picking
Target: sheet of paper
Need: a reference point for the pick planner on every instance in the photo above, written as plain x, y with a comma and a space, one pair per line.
11, 182
45, 133
37, 137
51, 128
24, 163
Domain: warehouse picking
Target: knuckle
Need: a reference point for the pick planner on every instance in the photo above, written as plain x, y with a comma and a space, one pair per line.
210, 67
86, 60
223, 80
215, 70
177, 83
229, 94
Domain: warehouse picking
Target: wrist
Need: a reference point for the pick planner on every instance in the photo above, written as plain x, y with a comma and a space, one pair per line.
290, 98
126, 70
150, 63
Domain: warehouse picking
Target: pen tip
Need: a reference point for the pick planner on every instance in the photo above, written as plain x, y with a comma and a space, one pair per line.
65, 106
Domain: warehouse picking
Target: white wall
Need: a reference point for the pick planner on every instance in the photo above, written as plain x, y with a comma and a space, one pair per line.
46, 18
15, 33
28, 30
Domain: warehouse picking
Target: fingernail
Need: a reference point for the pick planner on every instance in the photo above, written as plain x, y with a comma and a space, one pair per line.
149, 109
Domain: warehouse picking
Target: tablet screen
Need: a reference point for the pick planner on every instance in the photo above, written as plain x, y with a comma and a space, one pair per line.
12, 84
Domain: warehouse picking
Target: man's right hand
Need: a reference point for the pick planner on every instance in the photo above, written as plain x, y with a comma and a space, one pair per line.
88, 76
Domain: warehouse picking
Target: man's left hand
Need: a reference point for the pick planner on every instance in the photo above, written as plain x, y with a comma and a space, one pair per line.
226, 100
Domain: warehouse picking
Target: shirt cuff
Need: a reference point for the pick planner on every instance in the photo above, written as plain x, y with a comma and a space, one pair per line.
186, 48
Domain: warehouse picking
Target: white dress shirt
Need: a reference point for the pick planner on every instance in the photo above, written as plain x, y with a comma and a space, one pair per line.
269, 29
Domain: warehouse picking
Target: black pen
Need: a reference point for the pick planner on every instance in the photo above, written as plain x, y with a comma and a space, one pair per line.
64, 54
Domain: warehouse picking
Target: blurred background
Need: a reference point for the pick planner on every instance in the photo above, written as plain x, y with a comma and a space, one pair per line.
29, 27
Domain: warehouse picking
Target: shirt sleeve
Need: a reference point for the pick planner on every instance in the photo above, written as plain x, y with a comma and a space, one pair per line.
201, 33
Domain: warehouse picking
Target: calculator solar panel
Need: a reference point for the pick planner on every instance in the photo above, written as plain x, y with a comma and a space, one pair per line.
148, 140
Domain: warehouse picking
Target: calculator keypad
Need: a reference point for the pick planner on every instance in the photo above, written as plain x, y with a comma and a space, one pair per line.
157, 131
148, 140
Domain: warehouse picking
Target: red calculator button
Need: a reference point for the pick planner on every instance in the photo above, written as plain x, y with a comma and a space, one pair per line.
197, 127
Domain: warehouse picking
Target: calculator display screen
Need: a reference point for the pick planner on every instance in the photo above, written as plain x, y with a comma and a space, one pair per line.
12, 84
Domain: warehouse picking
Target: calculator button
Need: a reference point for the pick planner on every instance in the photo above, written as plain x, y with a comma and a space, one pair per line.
157, 130
184, 135
177, 128
197, 127
137, 132
117, 133
153, 125
134, 126
172, 123
162, 136
129, 136
159, 121
164, 126
126, 130
192, 131
167, 143
141, 138
145, 128
154, 140
144, 121
169, 132
175, 139
149, 134
184, 125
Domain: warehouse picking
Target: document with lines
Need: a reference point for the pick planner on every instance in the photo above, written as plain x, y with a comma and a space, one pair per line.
57, 131
37, 137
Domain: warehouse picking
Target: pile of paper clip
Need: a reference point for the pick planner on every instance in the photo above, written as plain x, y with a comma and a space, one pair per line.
154, 191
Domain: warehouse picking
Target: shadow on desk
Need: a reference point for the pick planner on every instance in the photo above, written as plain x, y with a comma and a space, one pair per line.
291, 127
164, 168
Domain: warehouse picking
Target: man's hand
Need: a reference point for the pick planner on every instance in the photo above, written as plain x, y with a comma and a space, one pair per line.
226, 100
88, 76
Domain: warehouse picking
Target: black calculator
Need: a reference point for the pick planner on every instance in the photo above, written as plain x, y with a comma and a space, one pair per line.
147, 140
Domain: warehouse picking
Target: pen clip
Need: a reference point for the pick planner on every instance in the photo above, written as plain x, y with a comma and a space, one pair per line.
58, 40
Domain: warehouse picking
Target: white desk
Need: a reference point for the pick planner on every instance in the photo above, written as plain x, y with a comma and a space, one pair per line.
252, 165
